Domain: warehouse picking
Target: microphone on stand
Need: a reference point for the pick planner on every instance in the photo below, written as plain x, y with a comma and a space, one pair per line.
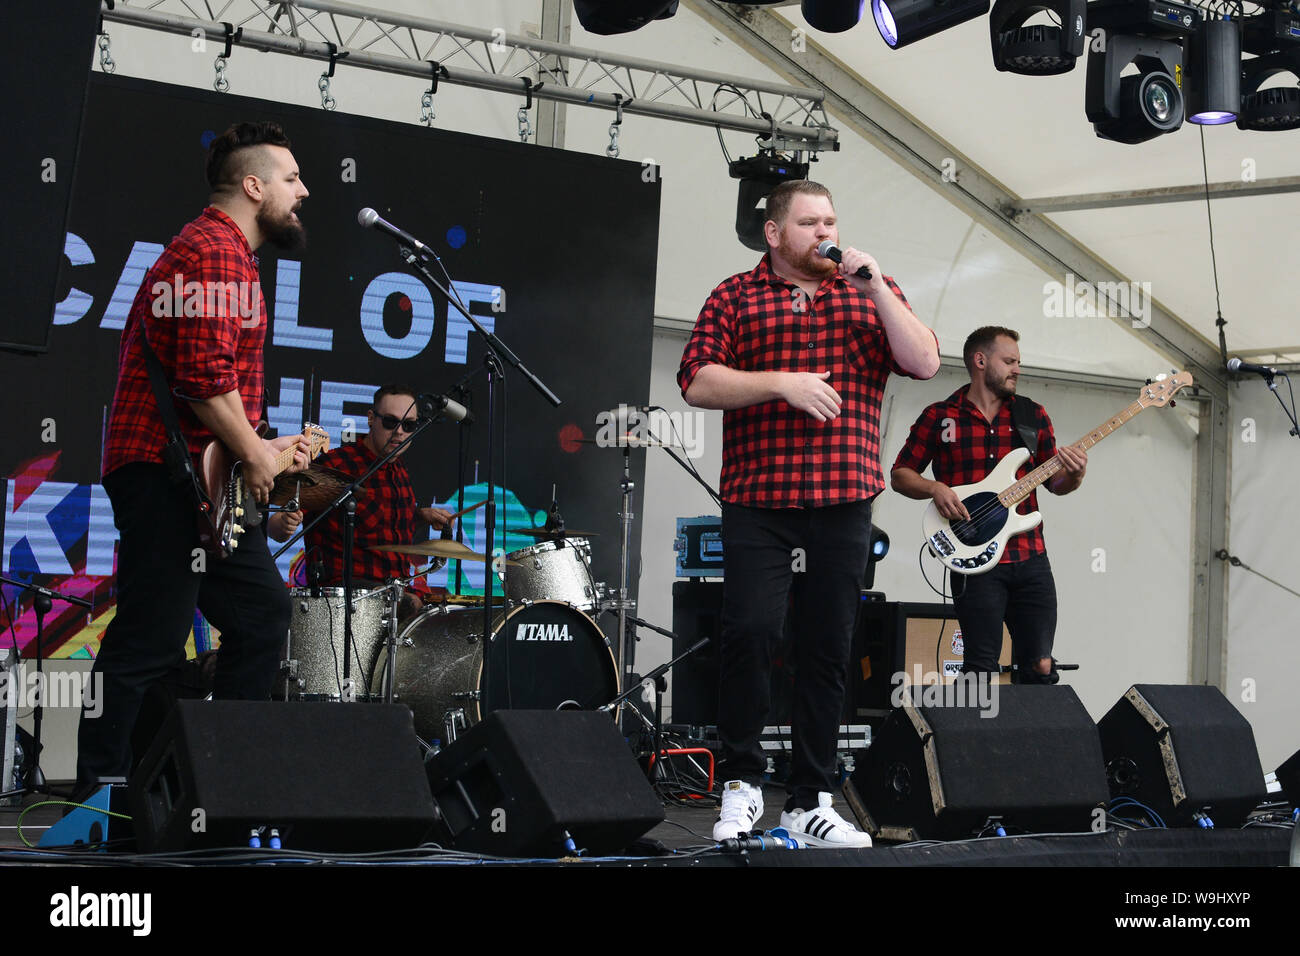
1237, 365
432, 404
372, 220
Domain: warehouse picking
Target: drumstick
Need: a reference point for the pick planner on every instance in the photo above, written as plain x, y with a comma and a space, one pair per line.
467, 510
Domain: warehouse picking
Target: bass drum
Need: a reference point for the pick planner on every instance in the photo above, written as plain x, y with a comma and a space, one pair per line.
546, 655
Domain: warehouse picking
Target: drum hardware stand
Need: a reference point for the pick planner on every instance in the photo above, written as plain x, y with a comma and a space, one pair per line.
622, 604
495, 352
42, 602
655, 681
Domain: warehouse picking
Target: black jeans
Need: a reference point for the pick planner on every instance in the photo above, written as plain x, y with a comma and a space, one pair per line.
822, 554
1021, 593
158, 586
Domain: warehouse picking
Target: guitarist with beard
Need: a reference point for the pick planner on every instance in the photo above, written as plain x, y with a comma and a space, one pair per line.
963, 438
200, 312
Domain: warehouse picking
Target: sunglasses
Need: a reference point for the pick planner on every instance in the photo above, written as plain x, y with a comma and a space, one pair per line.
391, 422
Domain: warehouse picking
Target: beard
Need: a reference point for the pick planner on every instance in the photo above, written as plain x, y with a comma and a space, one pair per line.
806, 259
1004, 387
281, 229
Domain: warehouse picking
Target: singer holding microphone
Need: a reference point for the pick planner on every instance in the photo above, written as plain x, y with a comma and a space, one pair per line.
387, 509
796, 353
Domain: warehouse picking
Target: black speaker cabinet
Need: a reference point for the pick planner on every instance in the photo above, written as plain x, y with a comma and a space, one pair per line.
941, 768
1182, 750
328, 776
1288, 775
515, 783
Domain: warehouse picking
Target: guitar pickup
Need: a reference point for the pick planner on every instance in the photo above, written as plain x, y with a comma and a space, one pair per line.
941, 545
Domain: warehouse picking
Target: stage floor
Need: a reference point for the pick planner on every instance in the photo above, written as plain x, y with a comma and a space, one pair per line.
684, 840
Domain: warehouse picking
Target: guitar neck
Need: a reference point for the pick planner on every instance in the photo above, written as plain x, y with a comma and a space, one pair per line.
1025, 486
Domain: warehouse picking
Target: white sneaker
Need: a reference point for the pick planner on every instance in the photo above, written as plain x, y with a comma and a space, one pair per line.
822, 826
742, 805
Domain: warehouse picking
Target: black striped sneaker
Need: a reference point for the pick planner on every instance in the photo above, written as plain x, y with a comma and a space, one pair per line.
822, 826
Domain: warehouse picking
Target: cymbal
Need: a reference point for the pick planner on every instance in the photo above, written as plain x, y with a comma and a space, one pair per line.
436, 548
562, 533
471, 600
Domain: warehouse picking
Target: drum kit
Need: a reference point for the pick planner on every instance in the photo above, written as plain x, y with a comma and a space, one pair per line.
545, 650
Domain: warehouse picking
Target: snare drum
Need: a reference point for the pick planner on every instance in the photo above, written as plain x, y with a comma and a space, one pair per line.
542, 656
553, 571
312, 668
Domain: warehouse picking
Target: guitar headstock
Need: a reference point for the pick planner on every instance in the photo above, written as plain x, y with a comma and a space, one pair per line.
1162, 390
318, 439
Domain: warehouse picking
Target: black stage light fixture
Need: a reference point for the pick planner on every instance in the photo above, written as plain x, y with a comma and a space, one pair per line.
1162, 19
901, 22
1212, 75
1270, 31
758, 176
833, 16
1277, 108
878, 547
621, 16
1141, 106
1041, 49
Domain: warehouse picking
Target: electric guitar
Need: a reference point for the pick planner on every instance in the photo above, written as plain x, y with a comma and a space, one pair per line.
976, 546
226, 505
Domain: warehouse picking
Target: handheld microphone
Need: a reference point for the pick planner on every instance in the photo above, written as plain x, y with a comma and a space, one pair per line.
1237, 365
828, 250
372, 220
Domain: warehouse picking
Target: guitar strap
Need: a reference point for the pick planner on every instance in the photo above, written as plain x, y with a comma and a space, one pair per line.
176, 453
1026, 431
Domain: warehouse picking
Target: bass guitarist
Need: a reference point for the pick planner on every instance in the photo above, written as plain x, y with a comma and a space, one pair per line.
200, 312
963, 438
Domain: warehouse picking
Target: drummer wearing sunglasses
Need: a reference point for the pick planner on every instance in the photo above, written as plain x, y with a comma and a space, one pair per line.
387, 512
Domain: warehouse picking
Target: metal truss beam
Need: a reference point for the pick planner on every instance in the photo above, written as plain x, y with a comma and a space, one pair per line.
1145, 197
496, 61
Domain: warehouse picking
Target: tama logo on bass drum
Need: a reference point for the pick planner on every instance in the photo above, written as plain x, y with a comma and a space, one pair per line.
543, 632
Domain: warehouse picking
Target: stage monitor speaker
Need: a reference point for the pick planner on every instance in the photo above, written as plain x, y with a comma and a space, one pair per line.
1182, 750
1288, 775
515, 783
328, 776
44, 69
955, 757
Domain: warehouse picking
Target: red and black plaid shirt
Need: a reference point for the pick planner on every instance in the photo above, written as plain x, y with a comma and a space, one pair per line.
963, 447
207, 337
386, 513
774, 455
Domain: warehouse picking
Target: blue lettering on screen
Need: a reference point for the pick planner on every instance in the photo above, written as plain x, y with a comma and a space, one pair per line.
76, 303
458, 327
286, 331
143, 256
372, 315
50, 523
287, 417
333, 417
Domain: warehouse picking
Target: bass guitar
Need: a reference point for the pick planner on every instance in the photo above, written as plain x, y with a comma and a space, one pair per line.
976, 546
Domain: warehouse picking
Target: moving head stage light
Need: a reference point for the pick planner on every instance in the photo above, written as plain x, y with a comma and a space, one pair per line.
1277, 108
1040, 49
621, 16
1147, 33
758, 176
